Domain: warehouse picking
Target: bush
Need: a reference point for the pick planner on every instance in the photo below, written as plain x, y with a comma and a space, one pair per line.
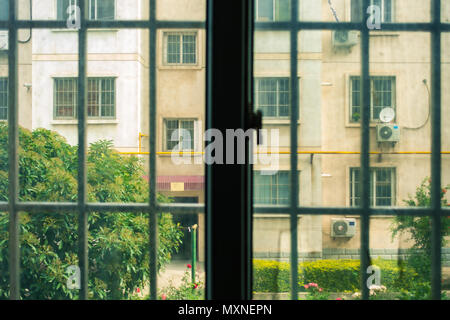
331, 275
118, 242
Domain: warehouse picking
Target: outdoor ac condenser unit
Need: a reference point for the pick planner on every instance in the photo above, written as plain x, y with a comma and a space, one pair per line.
3, 40
388, 133
343, 228
344, 38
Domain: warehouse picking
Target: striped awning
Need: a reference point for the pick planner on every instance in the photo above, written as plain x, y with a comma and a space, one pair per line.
179, 183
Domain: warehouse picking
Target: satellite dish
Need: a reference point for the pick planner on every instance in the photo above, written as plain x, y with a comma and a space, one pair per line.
387, 115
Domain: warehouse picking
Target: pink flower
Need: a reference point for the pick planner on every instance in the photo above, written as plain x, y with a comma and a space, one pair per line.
320, 289
163, 296
306, 286
138, 290
189, 265
195, 286
338, 298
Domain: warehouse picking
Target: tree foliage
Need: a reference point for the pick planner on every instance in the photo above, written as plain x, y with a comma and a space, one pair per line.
419, 229
118, 242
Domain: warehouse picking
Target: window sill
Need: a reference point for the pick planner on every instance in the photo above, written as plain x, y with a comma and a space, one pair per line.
75, 122
380, 33
358, 125
274, 121
89, 30
180, 67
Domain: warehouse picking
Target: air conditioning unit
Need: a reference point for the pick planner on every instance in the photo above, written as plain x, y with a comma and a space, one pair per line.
343, 228
344, 38
388, 133
3, 40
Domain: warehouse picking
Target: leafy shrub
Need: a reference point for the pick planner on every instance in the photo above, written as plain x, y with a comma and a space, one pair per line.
185, 291
331, 275
118, 242
419, 230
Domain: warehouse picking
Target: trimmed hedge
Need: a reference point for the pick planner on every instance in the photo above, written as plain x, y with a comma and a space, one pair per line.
332, 275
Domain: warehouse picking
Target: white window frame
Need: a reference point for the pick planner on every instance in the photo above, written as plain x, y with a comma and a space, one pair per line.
193, 138
4, 107
273, 12
256, 99
74, 116
383, 13
393, 80
75, 2
373, 181
272, 198
180, 34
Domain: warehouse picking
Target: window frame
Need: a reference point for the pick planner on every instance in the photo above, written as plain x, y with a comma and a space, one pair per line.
63, 18
383, 12
393, 80
373, 182
180, 34
193, 138
274, 11
278, 92
4, 108
100, 106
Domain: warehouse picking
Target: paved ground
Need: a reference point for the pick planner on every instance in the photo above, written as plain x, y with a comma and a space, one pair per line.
175, 271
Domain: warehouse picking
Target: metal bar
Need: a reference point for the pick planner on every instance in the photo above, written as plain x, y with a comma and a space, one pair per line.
436, 151
82, 147
305, 25
13, 142
365, 148
209, 170
286, 26
153, 218
294, 158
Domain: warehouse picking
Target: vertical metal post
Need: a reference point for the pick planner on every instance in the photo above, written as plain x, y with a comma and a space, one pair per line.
365, 148
13, 142
294, 144
153, 218
436, 151
82, 149
194, 251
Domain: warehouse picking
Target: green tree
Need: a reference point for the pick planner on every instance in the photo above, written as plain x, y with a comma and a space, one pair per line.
118, 242
419, 230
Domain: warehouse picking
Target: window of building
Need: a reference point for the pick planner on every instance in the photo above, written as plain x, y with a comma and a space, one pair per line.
4, 9
272, 96
273, 10
271, 189
98, 9
386, 9
382, 187
382, 96
180, 48
179, 135
3, 98
100, 97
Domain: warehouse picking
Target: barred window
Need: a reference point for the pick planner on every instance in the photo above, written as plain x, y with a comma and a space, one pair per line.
180, 135
100, 98
98, 9
271, 189
382, 186
3, 98
382, 96
181, 48
272, 96
65, 97
273, 10
386, 9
